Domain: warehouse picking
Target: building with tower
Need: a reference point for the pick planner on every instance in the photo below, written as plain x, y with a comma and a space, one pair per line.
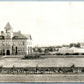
14, 43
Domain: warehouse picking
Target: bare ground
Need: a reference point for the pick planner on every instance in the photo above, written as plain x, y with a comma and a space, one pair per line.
43, 78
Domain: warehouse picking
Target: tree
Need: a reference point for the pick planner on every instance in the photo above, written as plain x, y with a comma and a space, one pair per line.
46, 50
50, 49
72, 45
39, 50
78, 45
34, 49
75, 45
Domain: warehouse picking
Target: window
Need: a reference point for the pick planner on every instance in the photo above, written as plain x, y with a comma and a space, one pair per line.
23, 42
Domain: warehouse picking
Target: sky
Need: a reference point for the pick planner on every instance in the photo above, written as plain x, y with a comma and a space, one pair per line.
49, 23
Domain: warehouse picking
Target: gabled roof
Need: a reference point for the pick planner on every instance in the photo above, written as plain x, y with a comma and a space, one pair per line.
28, 36
7, 27
19, 35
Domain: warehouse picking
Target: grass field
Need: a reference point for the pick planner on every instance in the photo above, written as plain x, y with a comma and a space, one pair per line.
42, 62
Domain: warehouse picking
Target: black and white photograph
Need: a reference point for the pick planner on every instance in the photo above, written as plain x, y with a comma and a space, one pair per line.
41, 41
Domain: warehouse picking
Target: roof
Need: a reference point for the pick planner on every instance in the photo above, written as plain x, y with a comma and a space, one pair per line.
7, 27
16, 35
28, 36
19, 35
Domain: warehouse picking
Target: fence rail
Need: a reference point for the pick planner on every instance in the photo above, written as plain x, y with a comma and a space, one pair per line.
41, 70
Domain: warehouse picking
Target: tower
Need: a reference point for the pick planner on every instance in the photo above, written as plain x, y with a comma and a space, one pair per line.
8, 36
8, 31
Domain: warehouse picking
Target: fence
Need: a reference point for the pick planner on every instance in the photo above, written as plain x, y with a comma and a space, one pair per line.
41, 70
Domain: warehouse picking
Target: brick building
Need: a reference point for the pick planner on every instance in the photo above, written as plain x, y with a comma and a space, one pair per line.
14, 43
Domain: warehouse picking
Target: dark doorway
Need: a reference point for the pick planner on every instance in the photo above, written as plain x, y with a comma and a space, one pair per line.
8, 52
12, 50
16, 51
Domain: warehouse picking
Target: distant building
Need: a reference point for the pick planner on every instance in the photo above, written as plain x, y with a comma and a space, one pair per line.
77, 50
14, 43
82, 44
66, 50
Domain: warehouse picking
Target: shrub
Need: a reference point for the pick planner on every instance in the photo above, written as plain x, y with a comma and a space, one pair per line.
67, 53
31, 56
82, 53
59, 53
75, 53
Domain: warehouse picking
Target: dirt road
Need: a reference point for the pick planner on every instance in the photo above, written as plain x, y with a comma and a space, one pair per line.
42, 78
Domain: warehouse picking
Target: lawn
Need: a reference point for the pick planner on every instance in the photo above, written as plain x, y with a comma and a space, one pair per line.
43, 62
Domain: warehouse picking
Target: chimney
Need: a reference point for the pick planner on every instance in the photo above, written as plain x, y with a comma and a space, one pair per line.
19, 31
2, 32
